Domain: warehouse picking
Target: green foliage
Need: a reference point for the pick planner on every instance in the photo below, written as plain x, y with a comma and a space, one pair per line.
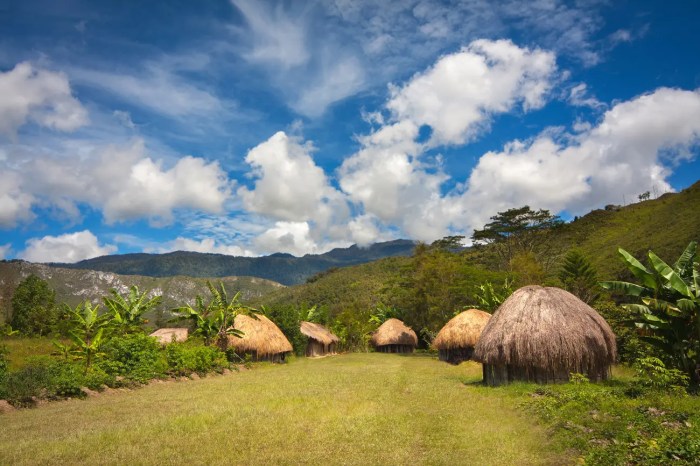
214, 321
127, 312
288, 318
527, 269
630, 345
488, 298
516, 231
186, 358
136, 358
579, 277
34, 309
382, 313
670, 306
4, 363
43, 377
653, 374
87, 333
609, 427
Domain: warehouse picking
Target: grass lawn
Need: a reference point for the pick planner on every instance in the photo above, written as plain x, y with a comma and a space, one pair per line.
19, 349
350, 409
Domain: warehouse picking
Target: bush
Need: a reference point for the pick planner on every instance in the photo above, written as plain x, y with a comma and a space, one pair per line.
4, 363
43, 378
186, 358
136, 358
652, 374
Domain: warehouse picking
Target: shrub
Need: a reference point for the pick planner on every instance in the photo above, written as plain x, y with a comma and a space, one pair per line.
45, 378
136, 358
653, 374
185, 358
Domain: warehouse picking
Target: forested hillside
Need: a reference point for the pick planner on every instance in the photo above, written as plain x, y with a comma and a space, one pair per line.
281, 268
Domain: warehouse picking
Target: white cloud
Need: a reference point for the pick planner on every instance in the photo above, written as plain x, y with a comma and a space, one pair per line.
580, 97
42, 96
15, 205
71, 247
457, 96
288, 184
629, 152
121, 181
207, 245
278, 36
288, 237
5, 250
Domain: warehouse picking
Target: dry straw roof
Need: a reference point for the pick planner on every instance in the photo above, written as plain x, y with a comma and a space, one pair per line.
547, 328
463, 330
394, 332
261, 336
319, 333
166, 335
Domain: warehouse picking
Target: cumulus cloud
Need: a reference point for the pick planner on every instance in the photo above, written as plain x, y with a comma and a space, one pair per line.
456, 98
71, 247
41, 96
288, 184
630, 151
458, 95
121, 181
294, 238
207, 245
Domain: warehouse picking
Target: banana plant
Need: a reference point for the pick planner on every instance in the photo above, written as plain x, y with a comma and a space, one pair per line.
215, 319
667, 305
87, 332
127, 312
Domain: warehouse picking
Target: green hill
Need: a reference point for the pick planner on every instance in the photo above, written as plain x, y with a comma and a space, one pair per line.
73, 286
281, 268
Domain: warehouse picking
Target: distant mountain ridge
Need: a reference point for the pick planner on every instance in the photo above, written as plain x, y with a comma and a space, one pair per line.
279, 267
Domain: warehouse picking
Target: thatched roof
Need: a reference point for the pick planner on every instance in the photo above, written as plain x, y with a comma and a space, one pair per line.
546, 328
261, 336
318, 332
166, 335
462, 331
394, 332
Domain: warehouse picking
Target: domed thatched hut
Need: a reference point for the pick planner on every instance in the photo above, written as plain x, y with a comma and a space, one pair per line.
542, 335
456, 340
262, 339
394, 337
321, 340
168, 335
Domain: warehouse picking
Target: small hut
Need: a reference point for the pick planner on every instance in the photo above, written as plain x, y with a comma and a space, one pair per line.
542, 335
262, 339
321, 340
456, 340
393, 336
168, 335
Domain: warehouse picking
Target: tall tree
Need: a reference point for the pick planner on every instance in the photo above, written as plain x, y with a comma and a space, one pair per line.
34, 310
517, 231
578, 276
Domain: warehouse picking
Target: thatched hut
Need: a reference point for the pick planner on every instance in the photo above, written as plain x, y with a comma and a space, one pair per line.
261, 339
168, 335
393, 336
456, 340
542, 335
321, 340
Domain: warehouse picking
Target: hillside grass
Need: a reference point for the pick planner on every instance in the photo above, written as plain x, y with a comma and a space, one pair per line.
21, 349
350, 409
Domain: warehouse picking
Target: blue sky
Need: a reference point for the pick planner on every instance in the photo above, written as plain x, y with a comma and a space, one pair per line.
250, 127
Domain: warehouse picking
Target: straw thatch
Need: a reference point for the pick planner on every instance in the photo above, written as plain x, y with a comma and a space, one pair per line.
321, 340
262, 339
542, 335
456, 340
168, 335
393, 336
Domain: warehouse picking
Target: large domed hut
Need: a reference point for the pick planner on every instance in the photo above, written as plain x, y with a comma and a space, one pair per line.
543, 335
456, 340
321, 341
261, 339
393, 336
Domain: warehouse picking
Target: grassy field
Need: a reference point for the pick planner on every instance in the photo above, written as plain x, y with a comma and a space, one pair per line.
350, 409
20, 349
